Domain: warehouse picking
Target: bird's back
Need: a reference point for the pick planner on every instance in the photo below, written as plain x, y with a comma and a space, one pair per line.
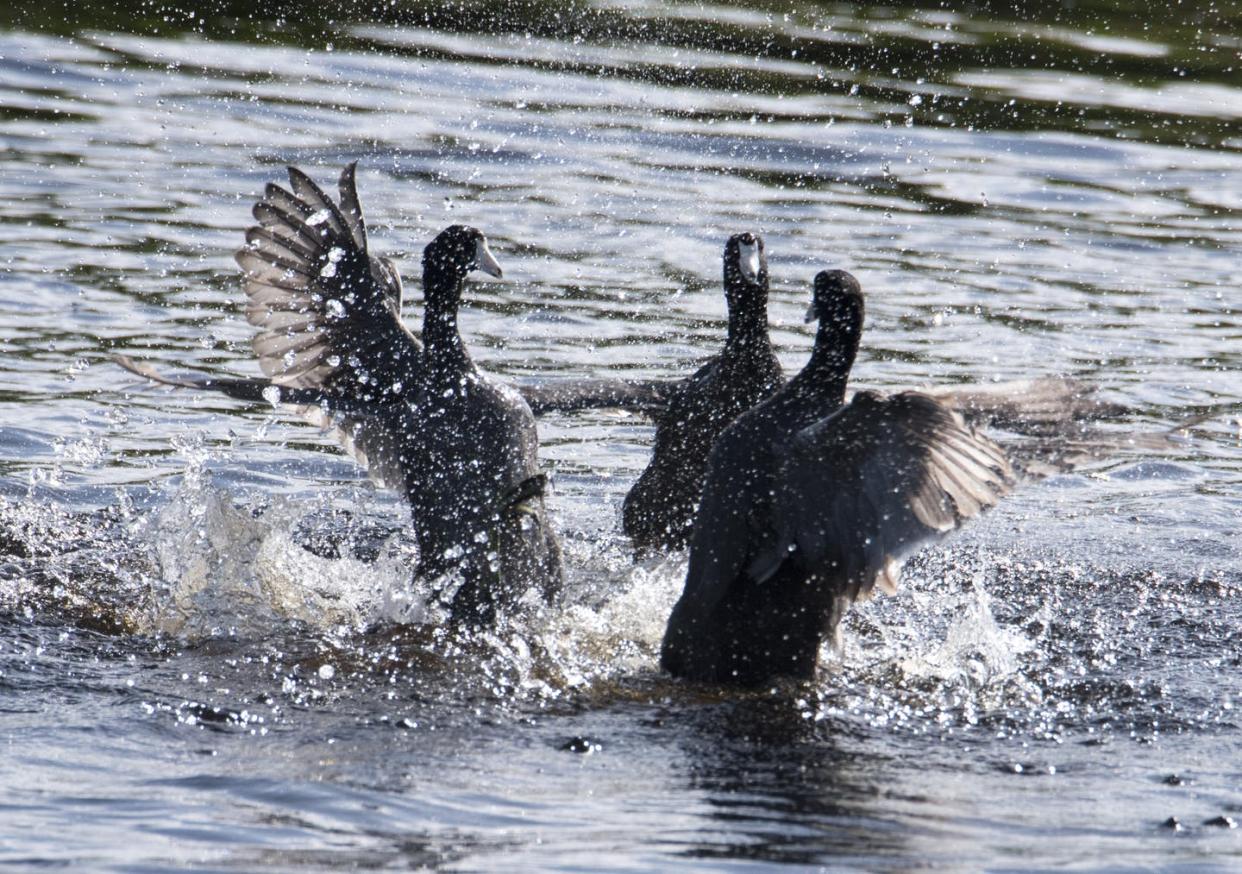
659, 510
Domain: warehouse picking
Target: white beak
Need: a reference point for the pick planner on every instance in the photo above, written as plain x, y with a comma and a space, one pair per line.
748, 261
485, 261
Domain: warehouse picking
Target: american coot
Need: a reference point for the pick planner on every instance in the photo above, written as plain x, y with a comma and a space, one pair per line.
468, 450
659, 509
809, 504
420, 416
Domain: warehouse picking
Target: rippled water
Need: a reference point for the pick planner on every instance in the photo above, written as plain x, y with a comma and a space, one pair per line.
201, 661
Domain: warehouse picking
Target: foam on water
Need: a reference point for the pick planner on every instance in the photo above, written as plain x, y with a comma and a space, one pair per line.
224, 566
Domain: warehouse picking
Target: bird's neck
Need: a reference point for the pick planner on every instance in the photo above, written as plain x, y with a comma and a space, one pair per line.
825, 376
445, 351
748, 323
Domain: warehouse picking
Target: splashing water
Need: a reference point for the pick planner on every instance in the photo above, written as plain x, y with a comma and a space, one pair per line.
213, 652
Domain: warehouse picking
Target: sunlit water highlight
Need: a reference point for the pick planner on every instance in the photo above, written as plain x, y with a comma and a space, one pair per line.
213, 653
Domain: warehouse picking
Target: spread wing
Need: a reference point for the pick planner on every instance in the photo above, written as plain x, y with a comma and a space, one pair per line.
1045, 405
375, 434
329, 310
242, 389
572, 395
861, 489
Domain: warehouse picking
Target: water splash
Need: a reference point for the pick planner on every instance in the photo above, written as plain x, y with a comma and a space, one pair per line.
976, 653
225, 566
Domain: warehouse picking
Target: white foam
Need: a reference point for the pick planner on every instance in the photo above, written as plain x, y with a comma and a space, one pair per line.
225, 567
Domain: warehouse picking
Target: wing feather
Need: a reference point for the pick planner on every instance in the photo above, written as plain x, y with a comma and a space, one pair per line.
271, 269
861, 489
286, 202
1042, 406
266, 299
291, 247
571, 395
328, 309
325, 211
351, 207
285, 224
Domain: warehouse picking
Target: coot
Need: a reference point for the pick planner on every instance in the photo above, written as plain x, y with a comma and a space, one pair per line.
810, 503
659, 510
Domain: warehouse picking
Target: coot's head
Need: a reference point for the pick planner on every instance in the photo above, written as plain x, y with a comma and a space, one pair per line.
745, 266
837, 302
452, 254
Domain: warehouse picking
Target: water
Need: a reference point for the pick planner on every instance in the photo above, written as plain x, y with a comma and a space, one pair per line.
199, 664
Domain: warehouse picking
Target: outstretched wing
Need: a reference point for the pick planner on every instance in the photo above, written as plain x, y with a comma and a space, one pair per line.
375, 434
329, 310
1049, 405
866, 486
242, 389
572, 395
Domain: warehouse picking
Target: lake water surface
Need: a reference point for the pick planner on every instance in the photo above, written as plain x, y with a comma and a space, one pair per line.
211, 655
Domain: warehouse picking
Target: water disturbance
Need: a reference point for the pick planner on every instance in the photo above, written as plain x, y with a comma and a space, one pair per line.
211, 651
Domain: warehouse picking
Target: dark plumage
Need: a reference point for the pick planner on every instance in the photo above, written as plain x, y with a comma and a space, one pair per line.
659, 509
329, 310
420, 416
469, 453
809, 504
647, 396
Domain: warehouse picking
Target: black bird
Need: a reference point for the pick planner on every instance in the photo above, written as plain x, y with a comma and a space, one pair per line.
469, 454
659, 509
420, 416
809, 504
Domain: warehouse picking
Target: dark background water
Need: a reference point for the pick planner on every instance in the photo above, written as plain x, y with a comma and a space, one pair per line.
1045, 192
